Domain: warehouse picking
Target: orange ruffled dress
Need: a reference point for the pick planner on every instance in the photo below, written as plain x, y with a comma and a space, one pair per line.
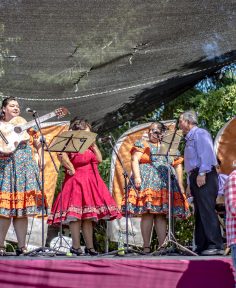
153, 194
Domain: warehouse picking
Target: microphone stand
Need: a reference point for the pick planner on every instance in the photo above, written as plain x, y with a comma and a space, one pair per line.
170, 238
43, 251
127, 249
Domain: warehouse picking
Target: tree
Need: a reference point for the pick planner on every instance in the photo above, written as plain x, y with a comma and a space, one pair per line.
214, 108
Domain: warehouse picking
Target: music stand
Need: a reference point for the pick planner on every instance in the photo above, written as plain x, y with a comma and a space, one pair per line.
169, 147
70, 141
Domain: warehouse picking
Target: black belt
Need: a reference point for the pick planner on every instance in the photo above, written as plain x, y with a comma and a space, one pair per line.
196, 170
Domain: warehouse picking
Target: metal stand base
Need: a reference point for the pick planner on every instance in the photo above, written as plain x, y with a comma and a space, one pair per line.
44, 251
48, 251
124, 252
133, 252
170, 239
60, 239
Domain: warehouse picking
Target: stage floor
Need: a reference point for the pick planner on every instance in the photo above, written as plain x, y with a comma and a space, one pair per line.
112, 257
116, 271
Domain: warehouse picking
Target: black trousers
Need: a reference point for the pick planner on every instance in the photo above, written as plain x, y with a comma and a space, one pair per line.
207, 226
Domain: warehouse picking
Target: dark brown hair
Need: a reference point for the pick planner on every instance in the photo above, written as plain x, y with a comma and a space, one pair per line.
79, 124
5, 102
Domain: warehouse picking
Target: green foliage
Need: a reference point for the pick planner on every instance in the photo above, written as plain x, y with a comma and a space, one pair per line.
184, 231
217, 107
100, 237
104, 169
60, 179
214, 108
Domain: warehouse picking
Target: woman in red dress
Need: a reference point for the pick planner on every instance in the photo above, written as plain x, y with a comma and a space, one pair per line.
85, 197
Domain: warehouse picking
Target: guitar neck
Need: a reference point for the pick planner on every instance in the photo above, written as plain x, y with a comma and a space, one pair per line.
40, 119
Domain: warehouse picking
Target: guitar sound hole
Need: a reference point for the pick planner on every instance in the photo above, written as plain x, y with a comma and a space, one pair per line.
17, 129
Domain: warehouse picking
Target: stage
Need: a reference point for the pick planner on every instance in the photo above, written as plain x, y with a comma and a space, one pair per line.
116, 271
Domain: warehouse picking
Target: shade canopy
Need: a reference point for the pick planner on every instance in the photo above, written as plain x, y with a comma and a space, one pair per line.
107, 60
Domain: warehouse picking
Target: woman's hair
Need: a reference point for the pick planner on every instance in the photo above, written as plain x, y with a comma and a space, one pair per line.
159, 125
79, 124
5, 102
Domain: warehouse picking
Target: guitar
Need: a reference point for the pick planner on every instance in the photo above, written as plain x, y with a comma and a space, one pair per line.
12, 133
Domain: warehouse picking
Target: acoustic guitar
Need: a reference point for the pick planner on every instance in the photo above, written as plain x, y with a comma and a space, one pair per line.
12, 133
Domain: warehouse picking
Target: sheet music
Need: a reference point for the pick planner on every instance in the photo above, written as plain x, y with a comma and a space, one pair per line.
72, 141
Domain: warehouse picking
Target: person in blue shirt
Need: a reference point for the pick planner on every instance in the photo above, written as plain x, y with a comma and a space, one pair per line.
200, 164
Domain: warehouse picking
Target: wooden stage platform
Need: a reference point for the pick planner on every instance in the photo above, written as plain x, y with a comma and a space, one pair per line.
116, 272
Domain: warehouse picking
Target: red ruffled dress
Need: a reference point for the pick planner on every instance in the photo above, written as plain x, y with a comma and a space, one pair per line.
84, 194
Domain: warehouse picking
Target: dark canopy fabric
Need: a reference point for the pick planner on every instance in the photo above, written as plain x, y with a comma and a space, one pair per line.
110, 60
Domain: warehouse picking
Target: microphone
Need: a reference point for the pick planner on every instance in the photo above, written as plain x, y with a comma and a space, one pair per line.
104, 139
31, 111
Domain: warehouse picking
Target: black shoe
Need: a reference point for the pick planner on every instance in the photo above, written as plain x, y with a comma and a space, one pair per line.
20, 251
77, 252
90, 251
212, 252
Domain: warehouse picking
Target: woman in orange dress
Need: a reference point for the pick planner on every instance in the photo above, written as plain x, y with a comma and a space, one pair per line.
149, 197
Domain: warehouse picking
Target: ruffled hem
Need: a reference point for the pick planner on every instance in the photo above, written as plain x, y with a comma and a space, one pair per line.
17, 213
82, 213
178, 212
151, 201
20, 204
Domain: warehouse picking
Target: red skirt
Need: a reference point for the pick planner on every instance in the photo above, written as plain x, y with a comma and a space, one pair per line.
84, 196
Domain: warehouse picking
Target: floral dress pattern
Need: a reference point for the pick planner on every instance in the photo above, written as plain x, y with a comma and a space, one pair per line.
20, 184
152, 197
